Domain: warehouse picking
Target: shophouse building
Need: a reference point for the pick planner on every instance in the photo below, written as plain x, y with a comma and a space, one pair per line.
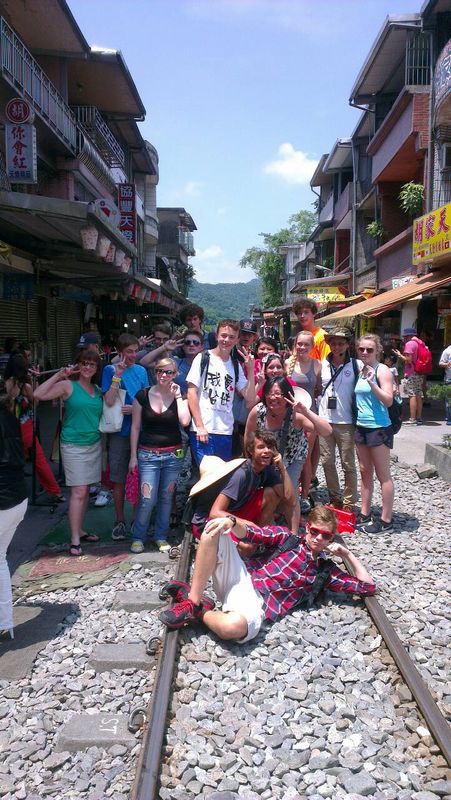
403, 136
78, 221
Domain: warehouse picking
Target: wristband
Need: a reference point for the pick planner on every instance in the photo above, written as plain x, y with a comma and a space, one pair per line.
232, 518
115, 380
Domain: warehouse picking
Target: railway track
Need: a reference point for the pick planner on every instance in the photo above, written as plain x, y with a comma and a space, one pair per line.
149, 779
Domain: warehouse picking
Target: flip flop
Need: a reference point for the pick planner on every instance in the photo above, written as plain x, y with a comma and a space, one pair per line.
90, 537
75, 550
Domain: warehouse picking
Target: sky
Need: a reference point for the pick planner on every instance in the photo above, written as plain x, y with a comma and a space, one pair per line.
242, 99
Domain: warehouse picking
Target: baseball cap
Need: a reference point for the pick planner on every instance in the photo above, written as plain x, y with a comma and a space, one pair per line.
248, 325
87, 339
409, 332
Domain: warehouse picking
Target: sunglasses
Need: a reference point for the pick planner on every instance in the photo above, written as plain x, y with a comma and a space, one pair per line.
161, 371
318, 532
192, 341
365, 349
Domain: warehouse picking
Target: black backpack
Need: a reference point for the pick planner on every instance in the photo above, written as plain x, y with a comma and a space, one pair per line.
205, 361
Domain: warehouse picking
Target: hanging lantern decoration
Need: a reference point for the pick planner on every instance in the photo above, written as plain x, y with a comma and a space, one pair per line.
103, 244
89, 236
109, 258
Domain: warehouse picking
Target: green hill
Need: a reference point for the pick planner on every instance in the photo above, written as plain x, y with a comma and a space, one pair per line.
221, 300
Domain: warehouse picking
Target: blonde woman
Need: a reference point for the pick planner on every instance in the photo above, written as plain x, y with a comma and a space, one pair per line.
157, 451
374, 433
305, 372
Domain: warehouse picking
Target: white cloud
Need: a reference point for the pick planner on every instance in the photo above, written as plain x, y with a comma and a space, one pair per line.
180, 194
192, 188
293, 166
296, 16
211, 252
212, 266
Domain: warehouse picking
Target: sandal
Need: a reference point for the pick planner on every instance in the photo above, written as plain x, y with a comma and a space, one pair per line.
75, 550
90, 537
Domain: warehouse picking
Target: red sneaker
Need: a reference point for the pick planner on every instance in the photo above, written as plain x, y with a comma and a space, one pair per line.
185, 612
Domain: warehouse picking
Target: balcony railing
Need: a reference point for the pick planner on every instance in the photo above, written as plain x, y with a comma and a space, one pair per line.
186, 241
24, 74
327, 212
92, 122
343, 204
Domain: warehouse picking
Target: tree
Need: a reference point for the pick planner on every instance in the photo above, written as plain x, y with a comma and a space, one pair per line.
266, 261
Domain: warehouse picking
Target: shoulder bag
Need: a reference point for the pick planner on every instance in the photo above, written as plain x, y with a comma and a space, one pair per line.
112, 416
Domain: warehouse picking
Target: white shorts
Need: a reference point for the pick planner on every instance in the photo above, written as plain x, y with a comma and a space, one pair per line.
234, 588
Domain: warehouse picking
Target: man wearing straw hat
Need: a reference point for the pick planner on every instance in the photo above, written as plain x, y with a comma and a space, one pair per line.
253, 488
270, 585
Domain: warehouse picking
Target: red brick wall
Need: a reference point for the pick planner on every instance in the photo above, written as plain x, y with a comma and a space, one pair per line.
420, 119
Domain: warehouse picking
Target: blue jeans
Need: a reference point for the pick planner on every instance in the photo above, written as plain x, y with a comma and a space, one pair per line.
158, 473
218, 444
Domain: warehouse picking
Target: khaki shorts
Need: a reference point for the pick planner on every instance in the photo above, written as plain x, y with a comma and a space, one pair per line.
234, 588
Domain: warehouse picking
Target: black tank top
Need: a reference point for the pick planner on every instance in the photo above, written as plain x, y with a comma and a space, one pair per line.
158, 430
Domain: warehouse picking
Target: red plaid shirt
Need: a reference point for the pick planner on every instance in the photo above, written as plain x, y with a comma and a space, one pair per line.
286, 579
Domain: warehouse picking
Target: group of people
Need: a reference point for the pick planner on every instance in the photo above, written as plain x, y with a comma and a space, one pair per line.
219, 395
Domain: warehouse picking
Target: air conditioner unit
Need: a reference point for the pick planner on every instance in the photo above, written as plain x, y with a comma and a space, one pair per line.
446, 157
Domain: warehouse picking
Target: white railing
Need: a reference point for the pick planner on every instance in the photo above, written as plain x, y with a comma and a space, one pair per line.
25, 75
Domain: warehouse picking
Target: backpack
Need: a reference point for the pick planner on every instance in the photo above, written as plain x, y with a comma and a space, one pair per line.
395, 411
423, 364
205, 361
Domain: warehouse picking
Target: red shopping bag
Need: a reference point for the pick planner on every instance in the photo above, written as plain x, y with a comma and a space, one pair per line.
132, 486
346, 519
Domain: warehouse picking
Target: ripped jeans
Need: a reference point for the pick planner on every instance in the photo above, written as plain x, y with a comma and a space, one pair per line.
158, 473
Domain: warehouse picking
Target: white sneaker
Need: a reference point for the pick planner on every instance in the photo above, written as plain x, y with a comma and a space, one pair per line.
103, 498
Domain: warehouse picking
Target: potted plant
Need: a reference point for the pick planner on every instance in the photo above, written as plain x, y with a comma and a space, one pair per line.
411, 199
442, 391
375, 229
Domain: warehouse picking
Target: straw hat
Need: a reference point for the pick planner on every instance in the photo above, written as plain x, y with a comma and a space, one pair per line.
212, 469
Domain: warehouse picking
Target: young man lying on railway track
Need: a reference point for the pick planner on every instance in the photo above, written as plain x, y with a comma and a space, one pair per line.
267, 586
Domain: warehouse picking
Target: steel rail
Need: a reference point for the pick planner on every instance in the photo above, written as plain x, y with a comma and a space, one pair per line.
436, 722
147, 778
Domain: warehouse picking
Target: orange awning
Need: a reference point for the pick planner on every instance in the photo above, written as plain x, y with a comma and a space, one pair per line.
383, 302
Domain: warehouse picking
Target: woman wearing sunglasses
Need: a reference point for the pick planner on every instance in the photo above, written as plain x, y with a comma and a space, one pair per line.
374, 433
157, 451
81, 450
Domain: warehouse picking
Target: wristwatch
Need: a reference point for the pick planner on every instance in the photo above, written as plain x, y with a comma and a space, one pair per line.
233, 518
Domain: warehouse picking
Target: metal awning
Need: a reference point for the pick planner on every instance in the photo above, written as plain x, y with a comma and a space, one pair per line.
52, 230
387, 300
330, 280
383, 67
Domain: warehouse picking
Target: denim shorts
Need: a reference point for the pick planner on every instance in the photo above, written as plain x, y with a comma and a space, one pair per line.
373, 437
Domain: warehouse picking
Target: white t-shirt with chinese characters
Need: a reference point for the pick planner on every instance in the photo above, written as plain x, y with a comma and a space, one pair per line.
216, 389
343, 390
446, 359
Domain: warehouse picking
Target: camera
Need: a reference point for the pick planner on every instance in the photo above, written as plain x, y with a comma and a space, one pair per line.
331, 402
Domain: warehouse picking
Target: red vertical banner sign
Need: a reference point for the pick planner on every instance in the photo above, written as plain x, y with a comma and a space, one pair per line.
126, 202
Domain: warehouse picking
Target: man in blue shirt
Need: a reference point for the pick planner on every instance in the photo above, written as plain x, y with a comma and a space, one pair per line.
131, 377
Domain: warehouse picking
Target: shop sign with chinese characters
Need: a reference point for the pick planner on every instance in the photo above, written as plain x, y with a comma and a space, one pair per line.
126, 202
21, 153
324, 294
432, 236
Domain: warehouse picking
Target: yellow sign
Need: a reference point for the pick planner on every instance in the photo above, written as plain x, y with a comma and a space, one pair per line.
432, 235
324, 294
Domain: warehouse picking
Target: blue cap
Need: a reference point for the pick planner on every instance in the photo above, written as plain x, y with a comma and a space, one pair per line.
409, 332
